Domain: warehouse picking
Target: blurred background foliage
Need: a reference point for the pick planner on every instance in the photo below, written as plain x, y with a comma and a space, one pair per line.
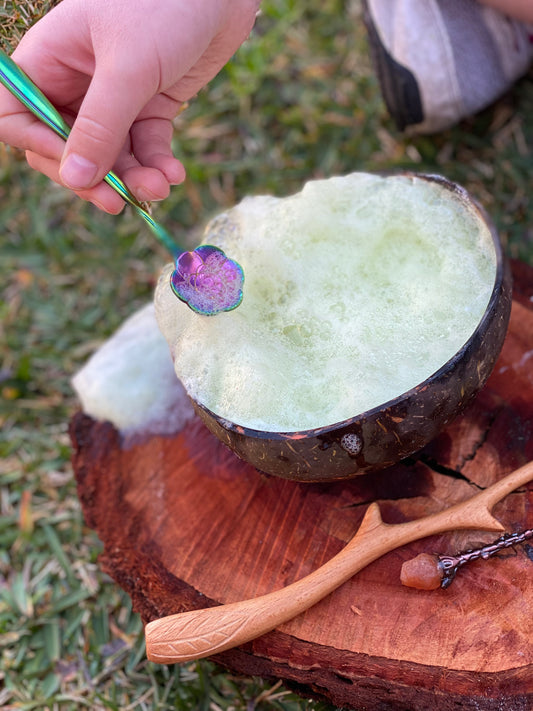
17, 17
299, 101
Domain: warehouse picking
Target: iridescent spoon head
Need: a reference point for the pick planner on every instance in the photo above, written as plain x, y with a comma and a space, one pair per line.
207, 281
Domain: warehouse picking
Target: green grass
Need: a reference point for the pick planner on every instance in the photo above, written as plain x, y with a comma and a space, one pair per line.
299, 101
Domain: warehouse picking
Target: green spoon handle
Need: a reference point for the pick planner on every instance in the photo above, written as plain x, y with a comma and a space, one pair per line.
21, 86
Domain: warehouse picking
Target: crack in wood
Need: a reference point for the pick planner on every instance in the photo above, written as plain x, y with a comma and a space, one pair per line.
439, 468
483, 438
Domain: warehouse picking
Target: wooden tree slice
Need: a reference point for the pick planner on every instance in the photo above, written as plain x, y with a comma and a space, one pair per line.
187, 525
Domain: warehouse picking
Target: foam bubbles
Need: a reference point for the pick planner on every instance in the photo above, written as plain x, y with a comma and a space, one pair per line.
356, 289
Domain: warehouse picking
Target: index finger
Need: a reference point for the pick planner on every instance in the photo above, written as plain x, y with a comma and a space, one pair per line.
21, 129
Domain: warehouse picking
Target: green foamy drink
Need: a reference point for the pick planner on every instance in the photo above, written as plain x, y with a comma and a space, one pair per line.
357, 289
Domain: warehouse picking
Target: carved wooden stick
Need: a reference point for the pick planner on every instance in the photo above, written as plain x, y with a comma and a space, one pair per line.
200, 633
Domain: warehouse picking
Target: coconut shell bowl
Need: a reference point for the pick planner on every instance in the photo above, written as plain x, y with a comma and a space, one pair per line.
405, 419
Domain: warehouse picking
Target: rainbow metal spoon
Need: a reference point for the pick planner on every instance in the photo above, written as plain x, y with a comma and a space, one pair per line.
205, 279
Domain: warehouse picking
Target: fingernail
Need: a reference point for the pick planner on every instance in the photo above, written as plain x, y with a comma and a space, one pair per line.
98, 205
77, 172
145, 195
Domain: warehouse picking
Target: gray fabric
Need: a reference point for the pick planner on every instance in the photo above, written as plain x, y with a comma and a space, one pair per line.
461, 54
478, 70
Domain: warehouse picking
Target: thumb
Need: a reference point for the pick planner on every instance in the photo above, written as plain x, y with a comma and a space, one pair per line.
101, 129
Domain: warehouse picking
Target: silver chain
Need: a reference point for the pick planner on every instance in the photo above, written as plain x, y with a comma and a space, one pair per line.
450, 564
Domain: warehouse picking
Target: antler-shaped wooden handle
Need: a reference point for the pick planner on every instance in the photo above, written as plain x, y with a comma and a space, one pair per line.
200, 633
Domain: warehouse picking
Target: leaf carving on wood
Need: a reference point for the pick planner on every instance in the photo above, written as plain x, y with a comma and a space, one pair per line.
187, 637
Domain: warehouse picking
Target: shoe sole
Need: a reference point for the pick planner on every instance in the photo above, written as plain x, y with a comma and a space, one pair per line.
398, 85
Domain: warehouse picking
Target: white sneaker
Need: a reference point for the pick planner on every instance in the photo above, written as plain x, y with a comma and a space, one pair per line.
439, 61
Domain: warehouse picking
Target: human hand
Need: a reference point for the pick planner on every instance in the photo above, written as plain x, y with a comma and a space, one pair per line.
119, 72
